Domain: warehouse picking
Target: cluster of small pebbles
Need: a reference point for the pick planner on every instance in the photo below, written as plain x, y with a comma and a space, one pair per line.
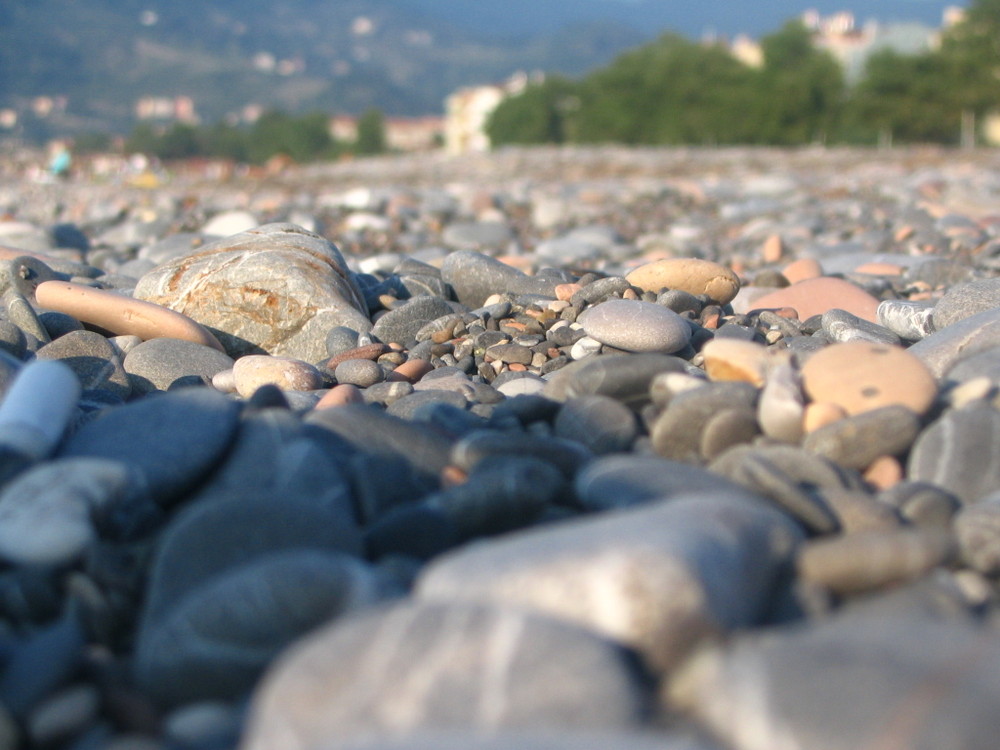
543, 449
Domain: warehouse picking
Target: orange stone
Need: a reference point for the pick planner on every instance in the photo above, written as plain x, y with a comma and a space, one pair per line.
731, 359
816, 296
773, 249
884, 472
802, 269
565, 291
820, 414
340, 395
411, 371
859, 376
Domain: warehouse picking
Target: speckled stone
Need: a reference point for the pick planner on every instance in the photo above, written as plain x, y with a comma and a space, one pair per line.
859, 376
636, 326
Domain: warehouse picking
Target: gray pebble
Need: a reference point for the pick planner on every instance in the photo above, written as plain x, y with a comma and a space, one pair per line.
163, 363
636, 326
601, 423
855, 441
360, 372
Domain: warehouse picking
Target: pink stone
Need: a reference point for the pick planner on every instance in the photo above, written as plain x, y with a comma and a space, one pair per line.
816, 296
341, 395
802, 269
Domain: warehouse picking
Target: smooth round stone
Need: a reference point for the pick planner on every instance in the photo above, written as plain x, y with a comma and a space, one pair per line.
120, 314
855, 442
475, 277
977, 529
213, 643
621, 481
230, 222
162, 364
763, 691
860, 376
958, 452
482, 445
58, 324
525, 386
677, 432
341, 339
727, 428
359, 372
94, 361
37, 407
172, 439
941, 350
45, 513
817, 296
691, 275
636, 326
626, 379
64, 715
867, 560
408, 406
505, 669
603, 424
584, 347
254, 370
400, 325
965, 300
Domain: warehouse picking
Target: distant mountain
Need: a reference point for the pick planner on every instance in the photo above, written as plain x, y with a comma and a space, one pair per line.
95, 59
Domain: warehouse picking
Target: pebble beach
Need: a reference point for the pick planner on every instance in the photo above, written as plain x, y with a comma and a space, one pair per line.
543, 449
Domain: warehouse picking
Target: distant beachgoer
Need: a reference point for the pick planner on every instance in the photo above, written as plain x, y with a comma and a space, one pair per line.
61, 162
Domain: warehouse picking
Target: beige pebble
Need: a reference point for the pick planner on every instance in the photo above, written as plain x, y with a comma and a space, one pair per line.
254, 370
773, 249
340, 395
565, 291
732, 359
860, 376
884, 472
820, 414
802, 269
880, 269
120, 314
817, 296
691, 275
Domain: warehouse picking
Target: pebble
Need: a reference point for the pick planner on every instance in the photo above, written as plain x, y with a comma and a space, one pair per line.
691, 275
164, 363
94, 361
965, 300
860, 376
37, 408
857, 441
256, 370
636, 326
817, 296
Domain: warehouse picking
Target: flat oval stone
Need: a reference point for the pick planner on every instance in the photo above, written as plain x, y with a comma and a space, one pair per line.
172, 439
855, 442
506, 669
164, 363
401, 324
817, 296
691, 275
37, 407
120, 314
627, 379
965, 300
941, 350
214, 643
958, 452
288, 374
603, 424
636, 326
860, 376
732, 359
475, 277
93, 359
359, 372
45, 513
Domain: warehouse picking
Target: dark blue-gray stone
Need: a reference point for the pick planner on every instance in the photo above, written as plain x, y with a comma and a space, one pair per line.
960, 452
474, 277
213, 642
857, 440
165, 363
965, 300
400, 325
173, 439
624, 378
601, 423
93, 359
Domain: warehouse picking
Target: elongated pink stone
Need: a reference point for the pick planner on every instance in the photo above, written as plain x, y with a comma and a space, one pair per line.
120, 314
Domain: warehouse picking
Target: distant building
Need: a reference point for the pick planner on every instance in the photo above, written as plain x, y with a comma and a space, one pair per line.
178, 108
748, 51
401, 133
468, 110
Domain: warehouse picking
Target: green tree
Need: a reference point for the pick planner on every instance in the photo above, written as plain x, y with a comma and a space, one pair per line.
304, 138
801, 89
371, 133
542, 113
180, 141
143, 140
